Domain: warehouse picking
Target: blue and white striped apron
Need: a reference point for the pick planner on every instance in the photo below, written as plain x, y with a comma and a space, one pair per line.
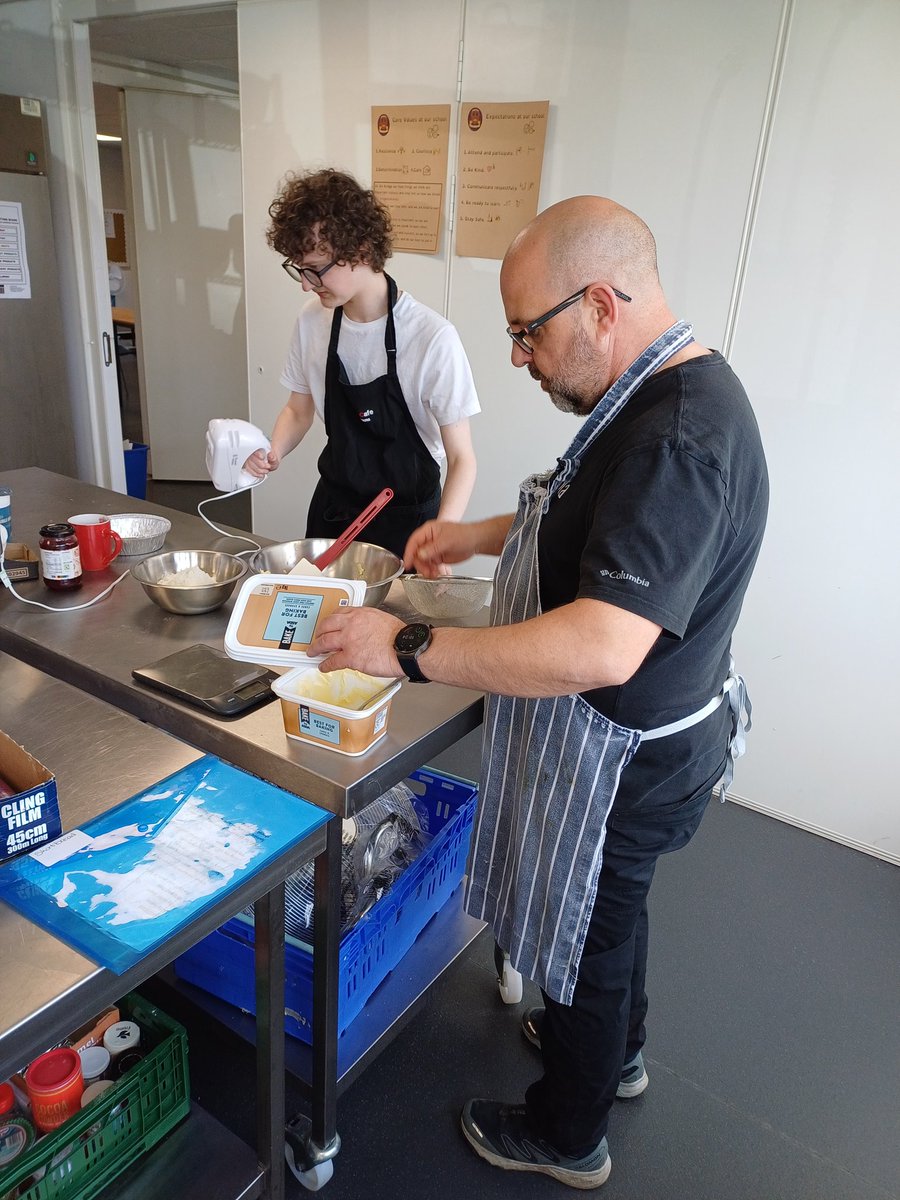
551, 767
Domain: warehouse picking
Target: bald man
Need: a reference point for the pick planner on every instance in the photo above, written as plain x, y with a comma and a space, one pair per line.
612, 706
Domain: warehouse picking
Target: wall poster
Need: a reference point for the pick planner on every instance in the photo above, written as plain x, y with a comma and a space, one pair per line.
15, 282
501, 154
409, 170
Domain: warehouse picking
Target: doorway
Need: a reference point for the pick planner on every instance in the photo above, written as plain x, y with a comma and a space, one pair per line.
172, 190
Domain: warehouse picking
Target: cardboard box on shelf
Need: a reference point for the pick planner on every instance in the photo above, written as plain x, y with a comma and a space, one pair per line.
29, 807
21, 562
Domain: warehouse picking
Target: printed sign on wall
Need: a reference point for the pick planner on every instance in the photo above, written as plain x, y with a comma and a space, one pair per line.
409, 170
501, 154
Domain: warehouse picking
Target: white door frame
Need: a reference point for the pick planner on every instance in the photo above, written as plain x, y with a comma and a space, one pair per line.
86, 294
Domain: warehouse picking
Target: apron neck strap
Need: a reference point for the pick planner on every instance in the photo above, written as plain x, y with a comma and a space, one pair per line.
614, 400
390, 332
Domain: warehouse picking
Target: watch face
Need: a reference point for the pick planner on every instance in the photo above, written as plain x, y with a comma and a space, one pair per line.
411, 638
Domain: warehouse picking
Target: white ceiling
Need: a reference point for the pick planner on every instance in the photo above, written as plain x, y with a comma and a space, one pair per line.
203, 41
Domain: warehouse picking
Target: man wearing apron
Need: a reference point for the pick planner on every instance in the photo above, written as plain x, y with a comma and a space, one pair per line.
387, 375
613, 709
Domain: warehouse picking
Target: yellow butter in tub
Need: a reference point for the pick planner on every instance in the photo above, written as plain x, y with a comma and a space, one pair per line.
345, 688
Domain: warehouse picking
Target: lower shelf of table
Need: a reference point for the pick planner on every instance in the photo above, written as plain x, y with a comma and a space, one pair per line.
199, 1160
393, 1003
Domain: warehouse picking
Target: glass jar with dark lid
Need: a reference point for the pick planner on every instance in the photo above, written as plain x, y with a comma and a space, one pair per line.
60, 557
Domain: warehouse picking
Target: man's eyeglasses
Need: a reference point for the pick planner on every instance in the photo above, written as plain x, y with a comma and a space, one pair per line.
312, 275
521, 336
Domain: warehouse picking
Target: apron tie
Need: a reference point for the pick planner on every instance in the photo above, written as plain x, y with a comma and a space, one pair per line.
734, 689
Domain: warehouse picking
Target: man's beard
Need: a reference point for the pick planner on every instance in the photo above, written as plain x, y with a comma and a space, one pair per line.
575, 390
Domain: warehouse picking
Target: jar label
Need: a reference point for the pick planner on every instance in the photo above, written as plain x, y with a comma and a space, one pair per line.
61, 564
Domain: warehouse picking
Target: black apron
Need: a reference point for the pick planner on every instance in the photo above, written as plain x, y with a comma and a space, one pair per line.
373, 443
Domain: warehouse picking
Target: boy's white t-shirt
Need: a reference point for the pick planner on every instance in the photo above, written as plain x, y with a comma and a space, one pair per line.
432, 367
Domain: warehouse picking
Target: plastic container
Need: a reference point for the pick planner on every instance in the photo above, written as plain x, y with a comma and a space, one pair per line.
55, 1083
16, 1135
122, 1036
95, 1089
136, 470
309, 718
95, 1062
223, 962
275, 617
118, 1126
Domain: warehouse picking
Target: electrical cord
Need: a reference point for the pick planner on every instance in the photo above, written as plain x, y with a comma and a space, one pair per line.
8, 584
237, 536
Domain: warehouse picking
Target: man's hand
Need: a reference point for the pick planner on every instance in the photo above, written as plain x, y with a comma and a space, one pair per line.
436, 544
360, 638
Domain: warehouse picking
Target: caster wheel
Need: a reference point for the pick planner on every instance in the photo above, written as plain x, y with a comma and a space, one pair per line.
510, 983
314, 1178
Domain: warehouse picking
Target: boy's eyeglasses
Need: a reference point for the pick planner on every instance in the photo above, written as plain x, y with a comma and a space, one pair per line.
312, 275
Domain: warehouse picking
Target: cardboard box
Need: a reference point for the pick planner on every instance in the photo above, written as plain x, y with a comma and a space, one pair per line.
21, 562
30, 816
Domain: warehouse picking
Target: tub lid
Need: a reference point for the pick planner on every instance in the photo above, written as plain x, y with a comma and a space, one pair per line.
275, 617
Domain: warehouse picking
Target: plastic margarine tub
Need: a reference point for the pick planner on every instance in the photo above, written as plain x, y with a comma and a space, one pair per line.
275, 617
273, 622
345, 710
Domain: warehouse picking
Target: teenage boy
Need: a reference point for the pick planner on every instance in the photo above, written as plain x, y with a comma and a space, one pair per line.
387, 375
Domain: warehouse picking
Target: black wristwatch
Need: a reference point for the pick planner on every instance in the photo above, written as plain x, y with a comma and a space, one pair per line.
410, 642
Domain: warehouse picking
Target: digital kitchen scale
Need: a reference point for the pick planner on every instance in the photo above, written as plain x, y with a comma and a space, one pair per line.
206, 677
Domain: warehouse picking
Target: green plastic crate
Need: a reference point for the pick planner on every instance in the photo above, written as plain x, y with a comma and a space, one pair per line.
130, 1117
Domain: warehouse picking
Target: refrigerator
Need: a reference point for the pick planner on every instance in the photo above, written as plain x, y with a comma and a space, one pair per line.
35, 410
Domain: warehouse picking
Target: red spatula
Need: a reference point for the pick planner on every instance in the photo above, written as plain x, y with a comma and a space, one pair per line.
350, 533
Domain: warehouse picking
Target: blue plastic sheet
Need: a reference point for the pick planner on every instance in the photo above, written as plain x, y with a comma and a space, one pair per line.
130, 879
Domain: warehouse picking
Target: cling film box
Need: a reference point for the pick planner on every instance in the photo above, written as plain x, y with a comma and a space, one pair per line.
29, 807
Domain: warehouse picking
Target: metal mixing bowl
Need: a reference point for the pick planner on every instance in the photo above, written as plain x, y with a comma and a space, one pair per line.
448, 596
190, 599
141, 533
361, 560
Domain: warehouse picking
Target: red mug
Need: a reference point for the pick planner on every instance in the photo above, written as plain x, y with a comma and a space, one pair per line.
98, 542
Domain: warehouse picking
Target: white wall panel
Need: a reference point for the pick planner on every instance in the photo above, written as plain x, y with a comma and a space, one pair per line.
658, 106
816, 345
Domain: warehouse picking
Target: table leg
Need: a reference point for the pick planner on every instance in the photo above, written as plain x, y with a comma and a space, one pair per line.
269, 936
312, 1142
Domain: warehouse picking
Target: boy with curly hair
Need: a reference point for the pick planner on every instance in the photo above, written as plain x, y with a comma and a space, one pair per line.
387, 375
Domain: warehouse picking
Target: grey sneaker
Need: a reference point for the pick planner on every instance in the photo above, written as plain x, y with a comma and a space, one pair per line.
634, 1077
499, 1133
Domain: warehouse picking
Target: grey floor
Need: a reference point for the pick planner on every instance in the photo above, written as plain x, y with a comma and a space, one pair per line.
773, 1051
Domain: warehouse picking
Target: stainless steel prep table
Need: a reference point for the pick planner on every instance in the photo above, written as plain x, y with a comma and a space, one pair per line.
95, 649
100, 757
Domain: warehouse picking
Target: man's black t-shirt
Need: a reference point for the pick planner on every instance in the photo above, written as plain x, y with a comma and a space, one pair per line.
665, 518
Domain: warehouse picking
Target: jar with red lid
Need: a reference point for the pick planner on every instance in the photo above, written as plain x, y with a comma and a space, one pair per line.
55, 1084
60, 557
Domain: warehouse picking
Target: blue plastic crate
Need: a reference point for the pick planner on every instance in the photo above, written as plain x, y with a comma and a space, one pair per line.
223, 962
